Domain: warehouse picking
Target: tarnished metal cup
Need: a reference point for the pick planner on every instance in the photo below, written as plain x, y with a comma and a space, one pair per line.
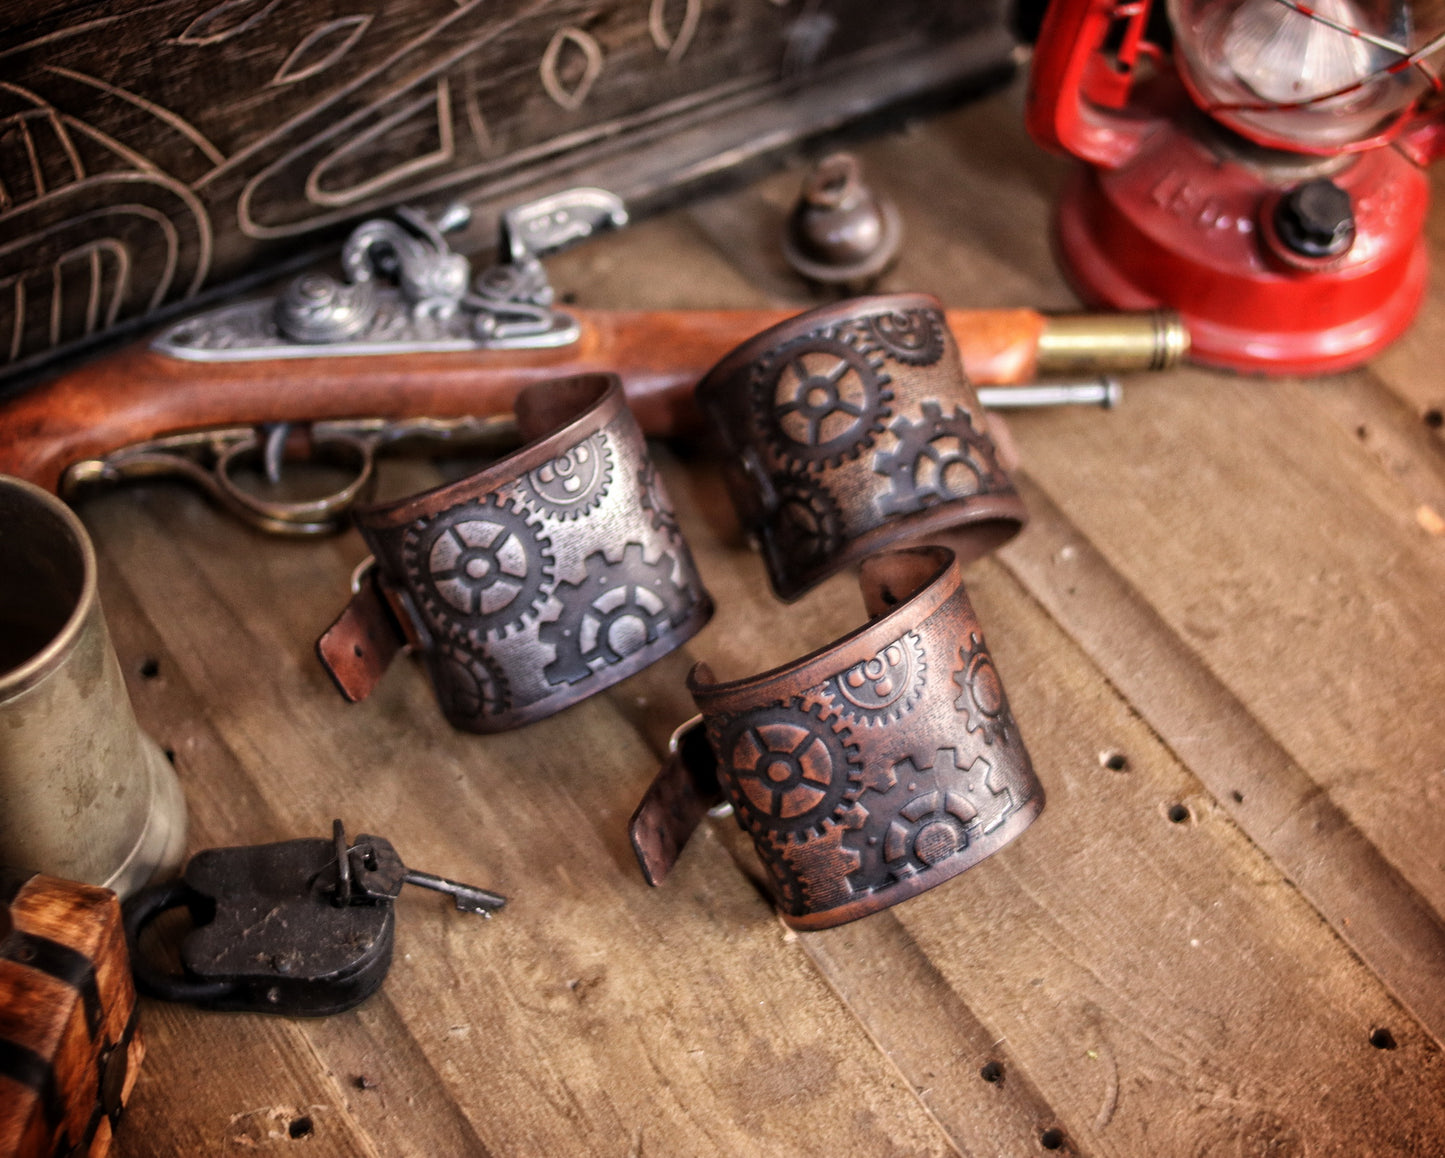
85, 794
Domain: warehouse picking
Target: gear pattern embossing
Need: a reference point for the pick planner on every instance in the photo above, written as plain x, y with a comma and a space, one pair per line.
472, 685
791, 770
913, 337
575, 481
821, 400
808, 520
936, 460
937, 824
479, 568
612, 612
881, 689
654, 501
981, 692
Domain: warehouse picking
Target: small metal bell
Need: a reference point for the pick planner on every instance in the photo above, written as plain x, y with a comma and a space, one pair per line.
840, 233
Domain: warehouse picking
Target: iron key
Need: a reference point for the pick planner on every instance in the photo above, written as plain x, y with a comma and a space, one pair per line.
371, 870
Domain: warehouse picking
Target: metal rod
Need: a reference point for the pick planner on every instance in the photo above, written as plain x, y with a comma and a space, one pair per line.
1104, 391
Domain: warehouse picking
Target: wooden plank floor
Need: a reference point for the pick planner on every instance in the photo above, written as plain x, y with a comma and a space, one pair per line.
1231, 583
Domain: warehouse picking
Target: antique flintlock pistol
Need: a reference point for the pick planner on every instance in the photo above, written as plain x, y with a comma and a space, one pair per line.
407, 346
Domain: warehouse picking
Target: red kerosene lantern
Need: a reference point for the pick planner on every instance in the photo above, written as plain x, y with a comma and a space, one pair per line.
1265, 179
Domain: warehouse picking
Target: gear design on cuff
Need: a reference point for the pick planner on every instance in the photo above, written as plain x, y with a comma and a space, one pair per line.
821, 400
981, 692
913, 337
792, 770
653, 499
479, 569
807, 519
472, 685
574, 482
937, 824
881, 689
936, 460
614, 611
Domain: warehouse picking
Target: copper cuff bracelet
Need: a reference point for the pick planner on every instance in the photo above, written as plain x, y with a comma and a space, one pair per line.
866, 772
548, 576
851, 428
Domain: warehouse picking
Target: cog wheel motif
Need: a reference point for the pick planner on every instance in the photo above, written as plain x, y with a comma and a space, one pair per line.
939, 823
980, 692
575, 481
655, 502
473, 686
937, 460
612, 612
480, 568
821, 400
882, 688
809, 521
914, 337
791, 769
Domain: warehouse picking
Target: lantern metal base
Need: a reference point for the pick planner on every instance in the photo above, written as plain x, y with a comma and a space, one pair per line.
1181, 226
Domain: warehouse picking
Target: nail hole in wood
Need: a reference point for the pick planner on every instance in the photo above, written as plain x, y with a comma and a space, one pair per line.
1114, 760
1237, 796
992, 1072
1178, 813
1382, 1038
301, 1127
1052, 1139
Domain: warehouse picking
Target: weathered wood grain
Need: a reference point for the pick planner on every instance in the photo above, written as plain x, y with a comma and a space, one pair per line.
1226, 591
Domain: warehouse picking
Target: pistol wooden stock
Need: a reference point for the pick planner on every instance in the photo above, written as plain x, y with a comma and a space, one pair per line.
139, 394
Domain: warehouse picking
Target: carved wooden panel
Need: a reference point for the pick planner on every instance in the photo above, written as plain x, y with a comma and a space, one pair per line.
148, 151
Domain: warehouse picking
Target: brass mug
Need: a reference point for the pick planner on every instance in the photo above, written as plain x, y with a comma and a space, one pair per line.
85, 794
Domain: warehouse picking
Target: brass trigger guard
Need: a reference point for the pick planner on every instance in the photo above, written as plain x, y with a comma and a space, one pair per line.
209, 459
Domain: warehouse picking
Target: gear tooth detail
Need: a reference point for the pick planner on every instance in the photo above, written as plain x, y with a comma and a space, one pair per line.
788, 768
809, 521
479, 569
981, 694
655, 502
938, 824
821, 399
883, 688
472, 685
913, 337
935, 460
612, 612
573, 483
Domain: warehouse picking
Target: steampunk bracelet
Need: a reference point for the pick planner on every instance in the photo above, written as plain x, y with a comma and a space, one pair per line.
865, 773
851, 428
548, 576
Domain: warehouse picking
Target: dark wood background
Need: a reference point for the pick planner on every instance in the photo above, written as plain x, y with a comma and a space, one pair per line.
152, 152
